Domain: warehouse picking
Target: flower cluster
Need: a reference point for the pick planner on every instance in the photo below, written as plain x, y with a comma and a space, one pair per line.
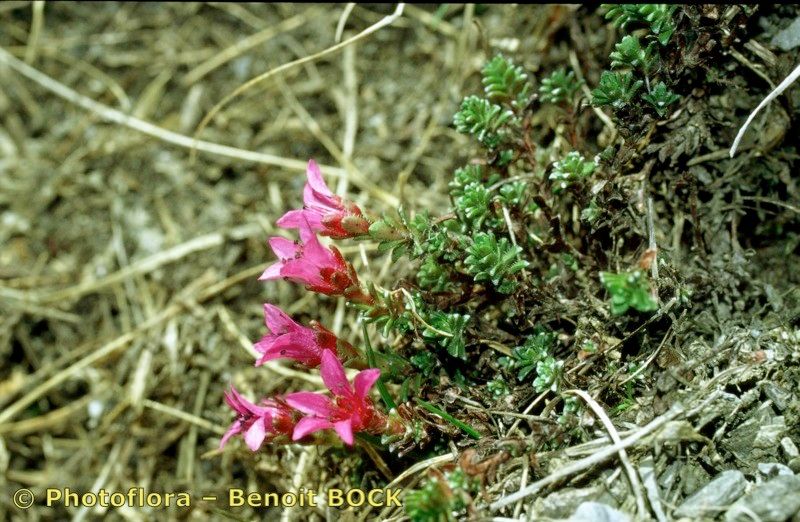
349, 409
308, 262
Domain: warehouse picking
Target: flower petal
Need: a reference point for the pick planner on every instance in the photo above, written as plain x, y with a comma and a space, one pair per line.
365, 380
256, 434
312, 403
241, 405
320, 204
316, 180
297, 218
290, 350
235, 428
277, 320
314, 252
283, 248
345, 430
302, 271
333, 375
272, 272
308, 425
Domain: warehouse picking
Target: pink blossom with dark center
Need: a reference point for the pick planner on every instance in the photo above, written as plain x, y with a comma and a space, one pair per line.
290, 340
324, 211
267, 421
349, 411
321, 269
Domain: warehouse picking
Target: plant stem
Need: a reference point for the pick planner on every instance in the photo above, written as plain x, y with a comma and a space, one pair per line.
466, 428
382, 390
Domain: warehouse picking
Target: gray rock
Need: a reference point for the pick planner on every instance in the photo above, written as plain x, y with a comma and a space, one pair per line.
714, 497
596, 512
773, 501
756, 440
780, 397
789, 448
788, 38
769, 470
693, 477
564, 502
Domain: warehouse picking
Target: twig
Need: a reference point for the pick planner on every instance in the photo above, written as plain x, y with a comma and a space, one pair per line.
523, 481
777, 91
651, 231
298, 479
112, 459
350, 110
168, 136
102, 352
527, 410
142, 266
576, 66
188, 417
510, 225
311, 124
37, 21
242, 46
633, 478
348, 8
592, 460
419, 466
419, 318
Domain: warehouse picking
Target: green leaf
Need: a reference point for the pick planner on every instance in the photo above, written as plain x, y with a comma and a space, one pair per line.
547, 371
630, 53
559, 87
483, 120
494, 261
536, 348
628, 290
660, 98
615, 89
659, 17
433, 275
512, 194
474, 205
452, 324
463, 177
503, 82
574, 167
382, 390
466, 428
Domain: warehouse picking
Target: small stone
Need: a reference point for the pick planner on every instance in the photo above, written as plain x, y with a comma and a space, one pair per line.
789, 448
715, 496
788, 38
794, 465
779, 397
564, 502
773, 501
773, 469
596, 512
693, 477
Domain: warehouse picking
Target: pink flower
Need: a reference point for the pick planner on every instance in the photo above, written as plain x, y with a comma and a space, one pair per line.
350, 411
258, 423
324, 211
288, 339
321, 269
